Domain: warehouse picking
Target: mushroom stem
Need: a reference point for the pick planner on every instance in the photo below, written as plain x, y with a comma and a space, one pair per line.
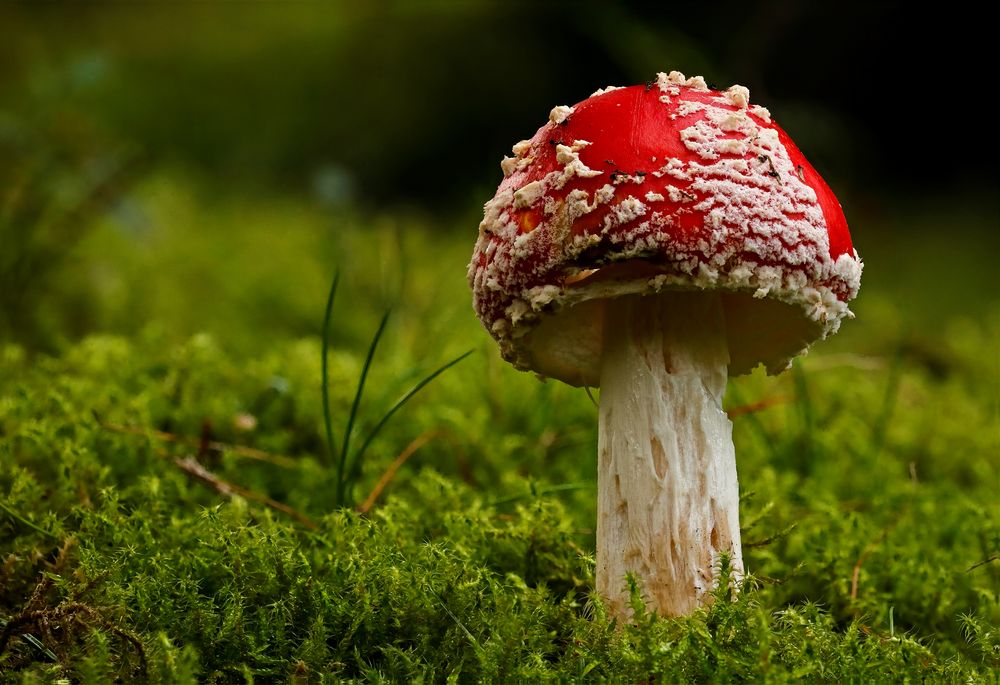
668, 498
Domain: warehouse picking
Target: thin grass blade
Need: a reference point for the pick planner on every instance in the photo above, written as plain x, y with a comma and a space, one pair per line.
468, 634
889, 401
541, 492
327, 418
356, 461
40, 646
344, 474
17, 517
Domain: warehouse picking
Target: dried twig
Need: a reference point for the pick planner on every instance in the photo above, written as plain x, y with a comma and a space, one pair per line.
200, 443
756, 406
193, 468
991, 558
390, 472
824, 362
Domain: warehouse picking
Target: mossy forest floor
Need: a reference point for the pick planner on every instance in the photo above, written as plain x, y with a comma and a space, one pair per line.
167, 495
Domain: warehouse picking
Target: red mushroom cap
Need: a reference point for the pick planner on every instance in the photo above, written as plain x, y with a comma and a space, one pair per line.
671, 185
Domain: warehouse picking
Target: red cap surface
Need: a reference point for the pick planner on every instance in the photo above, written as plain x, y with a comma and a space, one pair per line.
670, 185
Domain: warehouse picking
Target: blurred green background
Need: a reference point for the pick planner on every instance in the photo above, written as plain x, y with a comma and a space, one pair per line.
207, 166
187, 177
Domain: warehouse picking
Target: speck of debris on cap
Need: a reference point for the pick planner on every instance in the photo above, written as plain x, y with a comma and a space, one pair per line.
606, 89
738, 96
559, 114
762, 112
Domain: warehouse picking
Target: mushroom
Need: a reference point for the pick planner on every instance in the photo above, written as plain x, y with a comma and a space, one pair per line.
653, 240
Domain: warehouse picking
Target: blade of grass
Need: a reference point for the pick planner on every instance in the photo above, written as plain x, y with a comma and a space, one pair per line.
763, 542
26, 522
342, 476
541, 492
468, 634
327, 418
37, 644
356, 461
805, 462
889, 399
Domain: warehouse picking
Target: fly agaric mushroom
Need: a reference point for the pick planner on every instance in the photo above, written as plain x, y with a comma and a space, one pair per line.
653, 240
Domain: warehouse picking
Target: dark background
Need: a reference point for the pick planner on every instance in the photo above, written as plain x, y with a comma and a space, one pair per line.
416, 102
406, 108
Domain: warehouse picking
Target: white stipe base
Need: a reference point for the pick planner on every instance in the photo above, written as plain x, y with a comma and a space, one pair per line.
668, 498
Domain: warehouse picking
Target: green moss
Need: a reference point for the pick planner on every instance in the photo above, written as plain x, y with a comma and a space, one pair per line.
869, 480
115, 562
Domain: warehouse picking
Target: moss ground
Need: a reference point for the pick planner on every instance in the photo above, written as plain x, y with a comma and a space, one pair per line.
166, 494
